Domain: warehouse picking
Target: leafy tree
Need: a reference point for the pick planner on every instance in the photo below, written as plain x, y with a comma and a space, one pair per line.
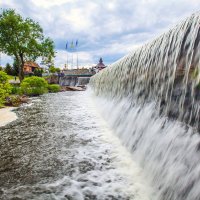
1, 68
23, 39
15, 68
8, 69
58, 70
53, 69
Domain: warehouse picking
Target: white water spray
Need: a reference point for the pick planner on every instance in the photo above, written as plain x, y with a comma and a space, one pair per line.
151, 99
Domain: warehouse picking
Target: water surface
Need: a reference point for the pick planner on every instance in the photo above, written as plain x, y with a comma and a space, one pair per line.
61, 148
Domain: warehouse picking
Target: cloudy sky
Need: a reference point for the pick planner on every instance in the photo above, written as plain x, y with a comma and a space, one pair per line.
104, 28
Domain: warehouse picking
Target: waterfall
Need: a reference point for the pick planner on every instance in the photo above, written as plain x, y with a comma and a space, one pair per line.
83, 80
73, 80
68, 81
151, 98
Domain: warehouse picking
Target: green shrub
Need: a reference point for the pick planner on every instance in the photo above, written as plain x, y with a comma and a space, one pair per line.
13, 100
5, 87
33, 86
16, 90
54, 88
38, 72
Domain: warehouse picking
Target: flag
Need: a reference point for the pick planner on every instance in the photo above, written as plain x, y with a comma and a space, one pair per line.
72, 45
66, 45
76, 43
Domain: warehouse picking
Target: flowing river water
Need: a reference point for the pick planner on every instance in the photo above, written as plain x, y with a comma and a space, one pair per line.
61, 148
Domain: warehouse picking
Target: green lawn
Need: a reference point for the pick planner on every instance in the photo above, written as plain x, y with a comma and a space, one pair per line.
12, 77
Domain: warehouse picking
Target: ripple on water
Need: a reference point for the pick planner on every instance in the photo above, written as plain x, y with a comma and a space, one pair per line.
59, 148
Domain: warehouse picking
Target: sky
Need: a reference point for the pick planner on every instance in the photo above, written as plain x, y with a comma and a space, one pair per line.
104, 28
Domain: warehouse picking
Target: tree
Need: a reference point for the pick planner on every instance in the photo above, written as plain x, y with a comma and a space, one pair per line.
58, 70
52, 69
8, 69
23, 39
15, 68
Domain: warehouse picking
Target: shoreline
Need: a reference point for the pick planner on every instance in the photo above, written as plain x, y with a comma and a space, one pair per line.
7, 115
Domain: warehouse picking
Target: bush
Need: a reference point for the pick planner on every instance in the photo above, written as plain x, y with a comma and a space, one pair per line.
16, 90
38, 72
33, 86
54, 88
5, 87
13, 100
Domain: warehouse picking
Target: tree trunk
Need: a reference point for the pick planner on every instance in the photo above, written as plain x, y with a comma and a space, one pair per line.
21, 65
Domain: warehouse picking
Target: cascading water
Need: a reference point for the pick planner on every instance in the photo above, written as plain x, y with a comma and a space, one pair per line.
73, 81
68, 80
83, 80
151, 99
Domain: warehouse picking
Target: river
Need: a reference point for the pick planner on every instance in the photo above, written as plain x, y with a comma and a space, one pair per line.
61, 148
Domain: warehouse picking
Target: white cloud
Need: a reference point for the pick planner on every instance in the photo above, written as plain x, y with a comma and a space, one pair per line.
4, 59
62, 57
50, 3
104, 28
77, 19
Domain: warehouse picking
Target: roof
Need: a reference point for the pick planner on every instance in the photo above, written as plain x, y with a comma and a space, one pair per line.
31, 64
100, 65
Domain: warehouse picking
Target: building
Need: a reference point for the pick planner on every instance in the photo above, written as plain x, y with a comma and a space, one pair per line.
99, 66
30, 67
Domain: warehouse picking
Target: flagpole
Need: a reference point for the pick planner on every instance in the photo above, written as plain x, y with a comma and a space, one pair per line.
77, 53
67, 60
67, 53
77, 59
72, 61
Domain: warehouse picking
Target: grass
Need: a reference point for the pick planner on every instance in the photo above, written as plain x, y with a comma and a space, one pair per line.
12, 77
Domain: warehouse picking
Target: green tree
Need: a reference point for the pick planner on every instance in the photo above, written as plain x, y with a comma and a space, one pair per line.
8, 69
23, 39
15, 68
52, 69
58, 70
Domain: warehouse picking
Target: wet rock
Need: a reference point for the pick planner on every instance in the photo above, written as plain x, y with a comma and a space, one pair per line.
68, 197
198, 147
16, 198
90, 197
72, 88
1, 192
86, 166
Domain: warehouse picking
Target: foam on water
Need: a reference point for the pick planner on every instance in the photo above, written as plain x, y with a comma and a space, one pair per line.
151, 99
70, 153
